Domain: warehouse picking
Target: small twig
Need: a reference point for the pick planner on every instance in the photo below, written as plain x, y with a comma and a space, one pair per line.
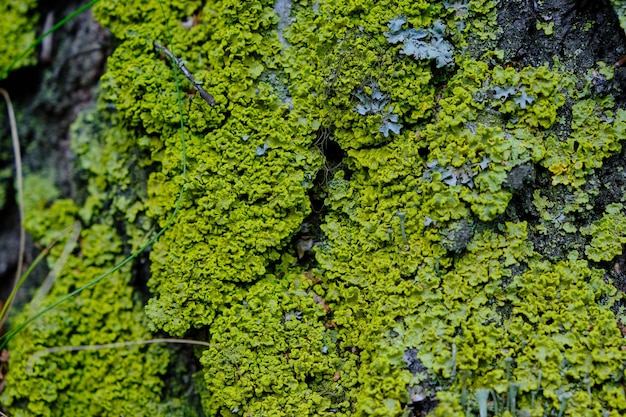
56, 268
179, 62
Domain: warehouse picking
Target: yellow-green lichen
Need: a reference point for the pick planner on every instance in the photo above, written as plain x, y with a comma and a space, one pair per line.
608, 234
17, 29
399, 234
428, 285
128, 380
250, 160
276, 352
108, 382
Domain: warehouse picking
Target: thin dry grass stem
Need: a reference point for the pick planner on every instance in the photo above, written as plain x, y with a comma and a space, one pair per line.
40, 353
56, 268
20, 193
31, 268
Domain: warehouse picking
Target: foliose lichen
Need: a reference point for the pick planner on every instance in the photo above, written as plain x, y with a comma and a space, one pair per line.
17, 28
107, 382
608, 234
429, 289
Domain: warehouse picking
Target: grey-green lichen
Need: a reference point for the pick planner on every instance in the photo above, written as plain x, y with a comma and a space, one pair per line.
431, 288
620, 9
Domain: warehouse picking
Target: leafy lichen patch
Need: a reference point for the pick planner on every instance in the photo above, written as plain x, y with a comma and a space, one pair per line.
18, 31
427, 290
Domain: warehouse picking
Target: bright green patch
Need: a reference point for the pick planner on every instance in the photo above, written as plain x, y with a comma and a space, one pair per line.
17, 31
608, 234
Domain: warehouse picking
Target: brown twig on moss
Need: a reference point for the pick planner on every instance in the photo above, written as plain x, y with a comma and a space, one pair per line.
181, 65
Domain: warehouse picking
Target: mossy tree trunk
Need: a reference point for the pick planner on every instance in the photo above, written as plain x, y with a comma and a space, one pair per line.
394, 208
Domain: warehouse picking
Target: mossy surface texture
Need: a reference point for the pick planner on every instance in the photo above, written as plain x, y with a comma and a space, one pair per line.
381, 217
17, 30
